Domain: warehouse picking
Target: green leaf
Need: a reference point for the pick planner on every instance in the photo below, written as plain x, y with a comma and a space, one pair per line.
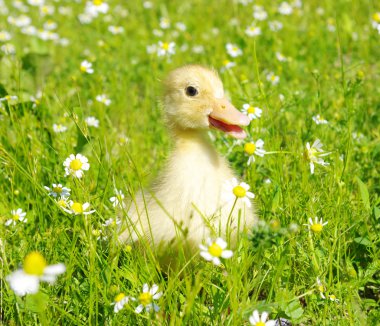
376, 212
82, 140
363, 241
364, 193
276, 200
37, 302
294, 310
3, 91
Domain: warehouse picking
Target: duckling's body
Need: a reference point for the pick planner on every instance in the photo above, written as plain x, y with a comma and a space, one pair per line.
187, 200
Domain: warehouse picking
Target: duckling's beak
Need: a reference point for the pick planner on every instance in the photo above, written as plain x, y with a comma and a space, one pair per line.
224, 116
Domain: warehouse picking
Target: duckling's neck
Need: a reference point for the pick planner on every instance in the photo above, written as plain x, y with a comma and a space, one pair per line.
194, 175
190, 135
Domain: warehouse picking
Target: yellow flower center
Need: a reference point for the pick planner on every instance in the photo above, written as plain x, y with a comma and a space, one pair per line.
77, 208
8, 97
145, 298
308, 154
44, 9
226, 62
15, 217
83, 68
239, 191
317, 228
215, 250
119, 297
34, 263
61, 203
97, 233
249, 148
75, 164
251, 109
273, 78
332, 297
321, 288
376, 17
97, 2
57, 190
165, 46
260, 323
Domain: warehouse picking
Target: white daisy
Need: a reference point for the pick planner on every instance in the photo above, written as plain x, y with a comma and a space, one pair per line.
50, 25
35, 269
280, 57
321, 288
57, 127
62, 202
17, 216
233, 50
47, 10
252, 148
376, 21
272, 78
158, 32
150, 49
86, 67
116, 29
253, 30
92, 122
314, 153
76, 208
316, 226
47, 35
112, 222
57, 190
319, 120
95, 7
252, 112
20, 21
233, 190
102, 98
9, 98
8, 48
75, 165
256, 320
275, 26
29, 30
180, 26
259, 13
227, 64
5, 36
117, 200
215, 250
147, 4
146, 298
285, 8
165, 48
120, 301
36, 3
164, 23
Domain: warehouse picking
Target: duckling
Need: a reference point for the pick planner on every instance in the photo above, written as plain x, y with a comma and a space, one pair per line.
187, 202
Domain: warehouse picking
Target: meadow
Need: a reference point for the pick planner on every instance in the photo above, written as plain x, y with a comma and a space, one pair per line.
85, 77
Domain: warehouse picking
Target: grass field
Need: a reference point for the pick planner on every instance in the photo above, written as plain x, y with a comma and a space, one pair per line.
312, 67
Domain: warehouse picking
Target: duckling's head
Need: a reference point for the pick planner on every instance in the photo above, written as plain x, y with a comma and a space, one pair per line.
194, 99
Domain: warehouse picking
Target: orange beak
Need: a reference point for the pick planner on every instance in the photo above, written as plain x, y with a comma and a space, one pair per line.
226, 117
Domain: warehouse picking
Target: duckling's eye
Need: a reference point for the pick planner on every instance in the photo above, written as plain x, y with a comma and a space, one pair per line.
191, 91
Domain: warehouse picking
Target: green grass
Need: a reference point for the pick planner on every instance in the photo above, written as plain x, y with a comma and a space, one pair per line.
332, 73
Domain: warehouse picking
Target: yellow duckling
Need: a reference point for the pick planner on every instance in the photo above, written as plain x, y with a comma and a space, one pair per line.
187, 201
